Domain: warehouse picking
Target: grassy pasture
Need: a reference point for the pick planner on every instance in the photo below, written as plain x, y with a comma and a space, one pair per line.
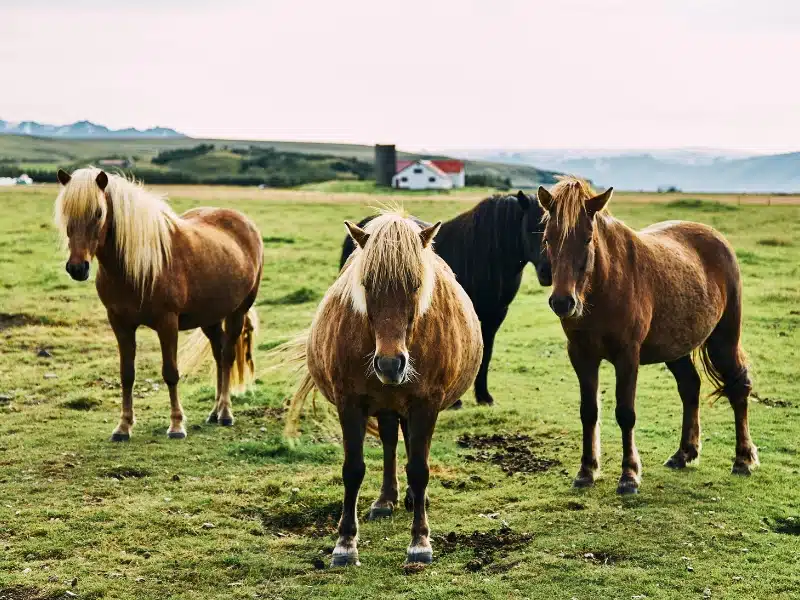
235, 513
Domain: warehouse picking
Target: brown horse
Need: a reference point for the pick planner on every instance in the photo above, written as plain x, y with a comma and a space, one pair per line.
397, 305
640, 298
167, 272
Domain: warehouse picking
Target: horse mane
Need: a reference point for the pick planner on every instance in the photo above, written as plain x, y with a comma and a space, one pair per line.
569, 199
393, 260
143, 221
491, 225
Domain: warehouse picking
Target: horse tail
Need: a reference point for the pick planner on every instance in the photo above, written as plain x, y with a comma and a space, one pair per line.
292, 355
193, 353
723, 358
243, 373
196, 351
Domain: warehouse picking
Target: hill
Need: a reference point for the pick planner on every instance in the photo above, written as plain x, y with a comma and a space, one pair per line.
82, 129
226, 161
693, 171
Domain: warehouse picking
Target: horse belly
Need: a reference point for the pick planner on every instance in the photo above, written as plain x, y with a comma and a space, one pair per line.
681, 322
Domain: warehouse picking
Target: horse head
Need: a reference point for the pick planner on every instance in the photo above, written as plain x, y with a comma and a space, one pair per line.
393, 284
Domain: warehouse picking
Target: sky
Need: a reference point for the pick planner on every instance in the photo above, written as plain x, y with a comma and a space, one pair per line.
430, 74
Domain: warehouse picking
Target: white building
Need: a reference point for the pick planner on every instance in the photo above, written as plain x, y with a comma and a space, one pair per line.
429, 175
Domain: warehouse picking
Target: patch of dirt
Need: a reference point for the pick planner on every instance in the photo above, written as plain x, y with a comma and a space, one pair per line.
787, 525
271, 413
512, 453
486, 546
473, 482
81, 403
9, 320
600, 558
315, 519
120, 472
25, 593
772, 402
299, 296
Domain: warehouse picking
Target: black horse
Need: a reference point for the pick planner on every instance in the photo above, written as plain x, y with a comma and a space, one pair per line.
487, 247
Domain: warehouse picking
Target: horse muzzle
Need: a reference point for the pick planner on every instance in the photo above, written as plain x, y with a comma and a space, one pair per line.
391, 370
78, 271
564, 306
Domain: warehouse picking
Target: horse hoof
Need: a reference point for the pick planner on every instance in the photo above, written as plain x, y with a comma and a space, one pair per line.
742, 469
212, 418
176, 435
379, 512
120, 437
583, 482
226, 421
457, 405
419, 554
345, 559
676, 461
628, 485
485, 400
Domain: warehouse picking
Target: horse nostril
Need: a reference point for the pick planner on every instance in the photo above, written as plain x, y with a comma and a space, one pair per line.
390, 366
562, 305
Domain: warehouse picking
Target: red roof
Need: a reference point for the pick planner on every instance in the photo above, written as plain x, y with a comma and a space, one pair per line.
448, 166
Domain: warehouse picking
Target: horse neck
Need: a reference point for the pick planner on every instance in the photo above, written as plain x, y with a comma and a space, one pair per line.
613, 248
107, 253
494, 237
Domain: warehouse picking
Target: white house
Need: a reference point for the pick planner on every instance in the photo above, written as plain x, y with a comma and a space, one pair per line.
429, 175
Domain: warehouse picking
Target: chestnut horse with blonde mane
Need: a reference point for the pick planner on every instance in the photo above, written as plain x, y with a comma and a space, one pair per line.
167, 272
645, 297
397, 305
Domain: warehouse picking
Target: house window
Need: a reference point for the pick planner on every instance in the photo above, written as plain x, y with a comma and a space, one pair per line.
404, 179
432, 179
417, 170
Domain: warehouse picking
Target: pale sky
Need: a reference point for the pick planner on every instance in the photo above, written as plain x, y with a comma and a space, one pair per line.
422, 74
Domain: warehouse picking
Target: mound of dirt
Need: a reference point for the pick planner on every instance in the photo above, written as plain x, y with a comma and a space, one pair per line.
486, 546
512, 453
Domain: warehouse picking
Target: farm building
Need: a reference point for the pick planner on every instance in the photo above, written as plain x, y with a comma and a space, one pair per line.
429, 174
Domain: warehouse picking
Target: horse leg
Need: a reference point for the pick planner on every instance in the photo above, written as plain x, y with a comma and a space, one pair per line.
587, 369
388, 422
126, 340
233, 329
728, 360
353, 420
488, 331
167, 330
627, 370
421, 422
688, 382
215, 336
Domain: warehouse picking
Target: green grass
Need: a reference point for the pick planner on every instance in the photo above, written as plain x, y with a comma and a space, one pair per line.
238, 513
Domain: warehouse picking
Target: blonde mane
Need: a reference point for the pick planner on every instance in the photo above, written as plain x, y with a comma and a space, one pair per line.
569, 198
143, 221
393, 259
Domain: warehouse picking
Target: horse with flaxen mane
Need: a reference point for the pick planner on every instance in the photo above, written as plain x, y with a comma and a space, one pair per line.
487, 247
167, 272
637, 298
397, 305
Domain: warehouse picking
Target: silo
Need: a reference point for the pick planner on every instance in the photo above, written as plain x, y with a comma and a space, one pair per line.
385, 164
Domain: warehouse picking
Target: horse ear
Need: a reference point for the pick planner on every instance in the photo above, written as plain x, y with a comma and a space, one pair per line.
523, 200
429, 233
598, 203
102, 180
545, 198
63, 177
359, 236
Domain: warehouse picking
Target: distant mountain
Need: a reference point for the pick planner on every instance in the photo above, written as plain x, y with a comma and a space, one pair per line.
691, 170
83, 129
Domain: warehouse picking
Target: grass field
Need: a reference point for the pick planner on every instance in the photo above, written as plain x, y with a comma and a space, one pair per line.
236, 513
